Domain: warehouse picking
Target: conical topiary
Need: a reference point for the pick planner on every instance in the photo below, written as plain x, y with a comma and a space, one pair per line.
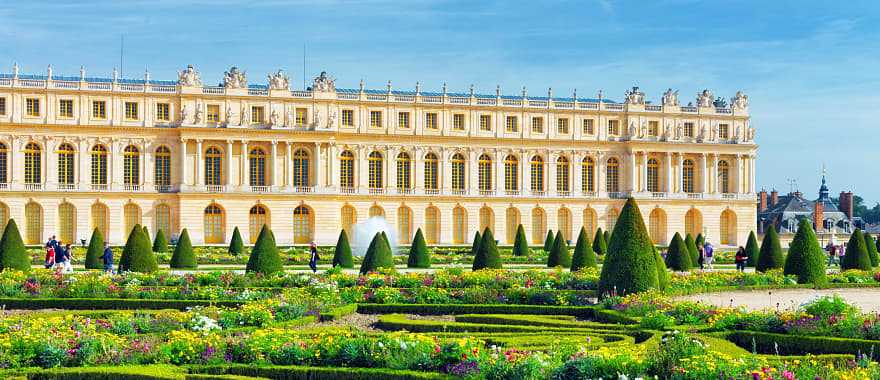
342, 254
700, 240
13, 254
378, 255
678, 258
147, 234
548, 241
487, 256
95, 253
559, 255
418, 252
752, 250
584, 257
264, 256
662, 275
805, 259
857, 256
600, 246
608, 235
631, 263
160, 244
183, 256
137, 256
520, 243
236, 245
692, 249
771, 256
475, 247
871, 245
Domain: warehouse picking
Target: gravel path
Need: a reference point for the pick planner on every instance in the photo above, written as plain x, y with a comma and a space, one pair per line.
867, 299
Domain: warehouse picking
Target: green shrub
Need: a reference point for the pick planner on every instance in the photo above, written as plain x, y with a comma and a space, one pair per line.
678, 258
692, 249
160, 243
789, 344
771, 256
548, 241
109, 303
236, 245
631, 263
752, 250
520, 243
487, 256
805, 259
318, 373
584, 257
475, 247
95, 251
600, 246
342, 254
147, 234
700, 240
264, 257
608, 235
183, 257
13, 254
559, 255
418, 252
857, 256
662, 275
871, 245
137, 256
378, 255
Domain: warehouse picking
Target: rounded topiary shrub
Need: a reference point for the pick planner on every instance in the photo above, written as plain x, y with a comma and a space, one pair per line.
805, 259
583, 257
95, 252
183, 256
871, 245
752, 250
342, 254
548, 241
264, 256
520, 243
137, 256
771, 256
691, 246
236, 245
160, 243
857, 256
13, 254
475, 247
487, 256
631, 263
378, 255
418, 252
600, 246
678, 258
559, 255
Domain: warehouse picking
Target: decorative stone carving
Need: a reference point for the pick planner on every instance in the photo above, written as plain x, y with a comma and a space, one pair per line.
291, 117
705, 98
331, 120
670, 98
185, 113
245, 115
234, 78
324, 83
274, 118
635, 96
736, 135
199, 114
279, 81
632, 129
720, 103
643, 132
317, 123
750, 134
230, 116
189, 77
667, 130
740, 101
679, 131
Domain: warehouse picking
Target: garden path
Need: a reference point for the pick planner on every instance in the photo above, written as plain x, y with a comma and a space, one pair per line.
867, 299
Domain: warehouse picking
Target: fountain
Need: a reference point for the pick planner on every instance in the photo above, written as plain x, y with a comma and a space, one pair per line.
364, 232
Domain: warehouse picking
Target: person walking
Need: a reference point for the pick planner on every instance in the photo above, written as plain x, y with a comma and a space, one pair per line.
60, 259
832, 254
313, 259
709, 252
50, 258
701, 259
107, 257
740, 259
67, 251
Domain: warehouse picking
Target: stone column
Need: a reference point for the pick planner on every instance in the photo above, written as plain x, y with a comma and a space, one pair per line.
739, 174
643, 181
331, 165
361, 165
714, 178
147, 167
418, 163
670, 177
525, 180
703, 177
550, 188
499, 172
200, 179
600, 173
184, 181
575, 171
114, 167
679, 174
389, 179
319, 171
632, 171
51, 164
82, 160
752, 165
245, 166
228, 163
288, 165
273, 176
473, 169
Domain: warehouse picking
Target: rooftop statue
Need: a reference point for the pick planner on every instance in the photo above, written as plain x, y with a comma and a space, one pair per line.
740, 101
324, 83
635, 96
705, 98
720, 103
670, 98
279, 81
189, 77
234, 78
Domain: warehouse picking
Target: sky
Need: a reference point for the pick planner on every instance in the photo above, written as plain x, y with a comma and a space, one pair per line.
808, 67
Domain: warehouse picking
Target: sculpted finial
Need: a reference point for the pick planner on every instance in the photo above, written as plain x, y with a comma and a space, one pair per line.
279, 81
234, 78
670, 98
189, 77
705, 98
323, 83
740, 101
635, 96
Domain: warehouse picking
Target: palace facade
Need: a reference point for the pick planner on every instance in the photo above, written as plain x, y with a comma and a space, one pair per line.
83, 153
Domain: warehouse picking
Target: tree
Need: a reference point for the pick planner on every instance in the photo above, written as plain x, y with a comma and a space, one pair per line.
857, 256
475, 247
752, 250
678, 258
183, 256
631, 263
13, 254
559, 255
692, 249
871, 245
662, 275
805, 259
600, 246
520, 243
487, 256
418, 252
608, 235
95, 251
236, 245
137, 255
342, 254
584, 257
548, 241
160, 244
378, 255
264, 257
771, 256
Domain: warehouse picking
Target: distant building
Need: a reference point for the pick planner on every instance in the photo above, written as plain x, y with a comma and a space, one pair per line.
785, 212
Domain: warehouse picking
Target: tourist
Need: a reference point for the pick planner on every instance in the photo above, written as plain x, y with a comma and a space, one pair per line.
52, 243
108, 258
50, 258
67, 251
701, 259
60, 259
740, 259
832, 254
313, 259
709, 252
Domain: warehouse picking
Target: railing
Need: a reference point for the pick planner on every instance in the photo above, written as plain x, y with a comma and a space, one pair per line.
348, 190
511, 102
32, 83
487, 192
66, 186
723, 110
563, 193
131, 87
616, 195
485, 102
459, 100
66, 85
259, 189
459, 192
5, 82
537, 103
538, 193
404, 98
103, 86
588, 106
99, 187
658, 194
375, 97
563, 104
258, 91
694, 195
653, 108
212, 90
613, 106
131, 187
163, 89
432, 191
33, 186
689, 109
590, 194
163, 188
432, 99
302, 94
403, 190
376, 190
303, 189
215, 188
512, 193
347, 96
728, 195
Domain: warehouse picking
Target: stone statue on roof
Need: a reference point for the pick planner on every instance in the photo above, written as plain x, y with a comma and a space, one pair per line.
323, 83
234, 78
705, 98
189, 77
279, 81
670, 98
635, 96
740, 101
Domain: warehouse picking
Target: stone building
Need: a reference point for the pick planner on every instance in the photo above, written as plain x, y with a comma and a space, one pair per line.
784, 212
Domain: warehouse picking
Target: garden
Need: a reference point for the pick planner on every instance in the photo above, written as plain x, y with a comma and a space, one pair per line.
612, 306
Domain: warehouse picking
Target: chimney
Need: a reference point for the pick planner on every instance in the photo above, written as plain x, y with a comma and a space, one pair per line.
774, 197
762, 201
819, 216
846, 203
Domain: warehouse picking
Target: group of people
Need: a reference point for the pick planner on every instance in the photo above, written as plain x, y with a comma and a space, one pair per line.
835, 252
706, 256
59, 256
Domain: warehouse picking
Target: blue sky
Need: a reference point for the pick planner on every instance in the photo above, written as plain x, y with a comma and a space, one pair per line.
809, 67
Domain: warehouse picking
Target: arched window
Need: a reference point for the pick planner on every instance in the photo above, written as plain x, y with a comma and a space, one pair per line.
131, 165
132, 216
432, 225
487, 219
590, 222
723, 177
376, 170
657, 226
563, 222
537, 174
214, 224
459, 225
4, 216
4, 164
301, 168
588, 175
99, 165
404, 225
257, 163
376, 210
33, 164
539, 225
562, 177
611, 219
302, 225
66, 223
213, 166
66, 164
162, 167
162, 219
404, 171
33, 217
258, 217
484, 163
612, 176
728, 227
687, 176
693, 222
101, 219
511, 173
653, 176
458, 172
346, 169
431, 168
349, 219
511, 224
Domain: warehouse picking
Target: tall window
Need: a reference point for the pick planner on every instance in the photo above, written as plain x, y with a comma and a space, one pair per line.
723, 131
258, 114
162, 219
65, 108
258, 217
404, 171
588, 127
458, 122
4, 165
66, 223
213, 114
376, 210
376, 119
163, 112
512, 124
537, 174
653, 128
590, 221
693, 222
300, 168
611, 219
349, 219
404, 224
33, 163
458, 173
562, 126
403, 120
66, 164
213, 166
459, 225
688, 129
431, 168
657, 226
32, 107
99, 109
653, 179
302, 116
101, 219
728, 228
131, 165
613, 128
539, 225
33, 217
484, 163
4, 215
588, 175
162, 170
432, 225
687, 176
99, 165
214, 224
487, 219
563, 222
376, 163
511, 176
537, 124
562, 176
348, 118
131, 111
302, 225
2, 111
431, 120
346, 169
257, 163
612, 176
485, 122
132, 214
723, 177
511, 224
